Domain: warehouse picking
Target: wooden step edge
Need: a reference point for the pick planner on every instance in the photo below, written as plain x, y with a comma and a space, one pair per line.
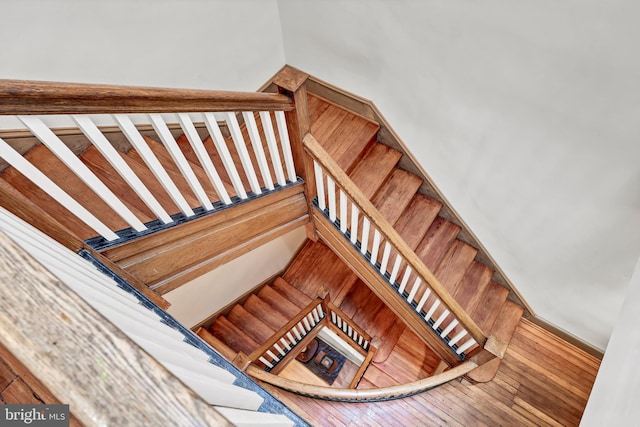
226, 351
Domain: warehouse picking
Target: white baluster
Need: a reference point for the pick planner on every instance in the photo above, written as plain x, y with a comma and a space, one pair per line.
258, 149
375, 247
241, 147
51, 188
423, 300
302, 330
91, 131
272, 356
360, 340
414, 289
405, 280
364, 241
349, 330
310, 319
286, 145
441, 319
221, 146
296, 333
201, 153
181, 162
64, 153
333, 317
272, 144
449, 328
432, 310
343, 212
465, 346
291, 339
316, 317
320, 311
339, 322
355, 214
457, 337
385, 258
285, 344
396, 269
365, 345
322, 204
138, 142
279, 349
266, 362
331, 194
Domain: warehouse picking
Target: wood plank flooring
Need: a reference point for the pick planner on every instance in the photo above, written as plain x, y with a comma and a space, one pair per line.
543, 381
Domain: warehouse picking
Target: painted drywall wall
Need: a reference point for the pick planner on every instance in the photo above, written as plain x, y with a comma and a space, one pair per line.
525, 114
212, 44
614, 397
206, 295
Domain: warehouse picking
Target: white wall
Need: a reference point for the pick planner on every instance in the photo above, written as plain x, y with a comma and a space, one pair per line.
614, 397
212, 44
198, 299
525, 114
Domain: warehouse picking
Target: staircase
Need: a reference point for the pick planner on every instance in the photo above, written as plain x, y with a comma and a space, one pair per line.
373, 167
249, 325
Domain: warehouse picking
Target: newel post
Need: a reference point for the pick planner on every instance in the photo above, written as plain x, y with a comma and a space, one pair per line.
291, 81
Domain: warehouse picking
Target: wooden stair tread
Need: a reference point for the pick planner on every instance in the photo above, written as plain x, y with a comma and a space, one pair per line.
416, 219
439, 237
344, 135
263, 311
218, 345
487, 310
279, 302
95, 161
506, 322
56, 170
47, 203
455, 264
375, 167
317, 268
396, 193
473, 284
198, 170
292, 293
371, 314
250, 324
132, 158
232, 336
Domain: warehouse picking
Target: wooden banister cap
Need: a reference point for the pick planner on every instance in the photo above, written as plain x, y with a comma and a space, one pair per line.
290, 78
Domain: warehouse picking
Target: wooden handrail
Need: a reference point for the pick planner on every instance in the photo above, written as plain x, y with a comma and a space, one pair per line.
37, 97
81, 357
283, 331
362, 395
316, 151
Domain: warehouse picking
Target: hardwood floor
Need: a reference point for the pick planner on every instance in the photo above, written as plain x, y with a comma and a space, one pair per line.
543, 381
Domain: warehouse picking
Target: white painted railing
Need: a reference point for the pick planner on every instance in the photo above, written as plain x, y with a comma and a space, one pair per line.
145, 327
385, 258
346, 326
270, 163
296, 332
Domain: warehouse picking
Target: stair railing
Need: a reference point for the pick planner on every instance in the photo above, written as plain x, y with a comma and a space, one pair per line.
341, 324
274, 354
220, 130
347, 220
